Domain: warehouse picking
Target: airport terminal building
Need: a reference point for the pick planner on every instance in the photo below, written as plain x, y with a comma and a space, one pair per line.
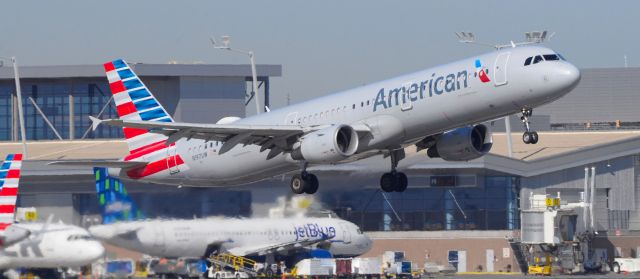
448, 206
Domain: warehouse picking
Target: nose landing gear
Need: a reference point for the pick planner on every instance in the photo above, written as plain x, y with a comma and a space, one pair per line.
529, 137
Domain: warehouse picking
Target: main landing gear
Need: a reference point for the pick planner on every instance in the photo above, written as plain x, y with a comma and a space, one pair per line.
529, 137
304, 182
394, 180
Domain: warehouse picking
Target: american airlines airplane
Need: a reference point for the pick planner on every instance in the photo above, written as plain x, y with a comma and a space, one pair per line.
38, 245
436, 109
125, 226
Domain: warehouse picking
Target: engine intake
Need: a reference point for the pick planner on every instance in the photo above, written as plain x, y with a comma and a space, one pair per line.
462, 144
328, 145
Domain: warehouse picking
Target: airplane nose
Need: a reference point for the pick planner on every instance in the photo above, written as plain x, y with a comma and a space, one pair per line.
567, 76
95, 250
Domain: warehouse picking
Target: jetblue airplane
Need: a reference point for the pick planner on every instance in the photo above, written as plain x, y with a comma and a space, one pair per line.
125, 225
38, 245
436, 109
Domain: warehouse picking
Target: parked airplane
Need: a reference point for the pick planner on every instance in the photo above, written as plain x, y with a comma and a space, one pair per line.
435, 109
125, 226
38, 245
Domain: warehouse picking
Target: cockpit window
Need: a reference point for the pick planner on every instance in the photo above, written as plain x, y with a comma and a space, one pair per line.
551, 57
528, 61
561, 57
537, 59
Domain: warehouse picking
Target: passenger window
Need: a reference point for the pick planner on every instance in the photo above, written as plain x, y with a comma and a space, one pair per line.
551, 57
528, 61
354, 106
537, 59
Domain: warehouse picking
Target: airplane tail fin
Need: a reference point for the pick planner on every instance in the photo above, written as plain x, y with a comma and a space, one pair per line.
134, 101
9, 178
114, 200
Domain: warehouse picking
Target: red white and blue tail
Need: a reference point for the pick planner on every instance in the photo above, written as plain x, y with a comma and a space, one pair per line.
9, 177
134, 101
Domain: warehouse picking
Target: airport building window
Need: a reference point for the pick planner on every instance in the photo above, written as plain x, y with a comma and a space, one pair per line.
488, 203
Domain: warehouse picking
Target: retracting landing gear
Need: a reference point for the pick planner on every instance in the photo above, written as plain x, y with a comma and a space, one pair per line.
394, 180
529, 137
304, 182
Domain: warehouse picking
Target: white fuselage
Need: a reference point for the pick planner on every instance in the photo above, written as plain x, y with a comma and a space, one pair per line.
399, 112
56, 246
190, 238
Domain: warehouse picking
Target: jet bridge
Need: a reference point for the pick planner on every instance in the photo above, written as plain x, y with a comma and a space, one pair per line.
550, 229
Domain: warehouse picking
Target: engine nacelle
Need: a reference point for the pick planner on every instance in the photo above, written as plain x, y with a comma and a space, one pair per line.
328, 145
462, 144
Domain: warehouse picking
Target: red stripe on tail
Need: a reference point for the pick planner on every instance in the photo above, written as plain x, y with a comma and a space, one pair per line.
133, 132
139, 152
4, 226
108, 67
13, 174
126, 108
8, 192
5, 208
17, 157
155, 167
117, 87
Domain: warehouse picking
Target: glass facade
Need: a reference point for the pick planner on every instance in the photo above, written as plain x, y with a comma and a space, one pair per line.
54, 99
492, 205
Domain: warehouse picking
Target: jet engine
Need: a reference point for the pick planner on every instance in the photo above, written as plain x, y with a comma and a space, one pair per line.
13, 235
328, 145
462, 144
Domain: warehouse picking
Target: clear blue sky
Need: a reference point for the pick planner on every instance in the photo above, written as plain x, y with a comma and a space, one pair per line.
323, 46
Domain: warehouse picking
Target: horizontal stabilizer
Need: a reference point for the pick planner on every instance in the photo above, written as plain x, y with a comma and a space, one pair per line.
100, 163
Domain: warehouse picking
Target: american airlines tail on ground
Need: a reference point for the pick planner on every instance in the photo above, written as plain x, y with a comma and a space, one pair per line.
38, 245
259, 237
436, 109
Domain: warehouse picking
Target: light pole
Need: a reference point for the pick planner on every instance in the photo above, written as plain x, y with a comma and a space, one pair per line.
225, 45
20, 113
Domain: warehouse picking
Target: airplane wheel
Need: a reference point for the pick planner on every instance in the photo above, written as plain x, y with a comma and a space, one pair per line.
298, 184
534, 137
312, 184
526, 137
616, 268
401, 182
387, 182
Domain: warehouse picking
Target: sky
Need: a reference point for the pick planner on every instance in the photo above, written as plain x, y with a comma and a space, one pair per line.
323, 46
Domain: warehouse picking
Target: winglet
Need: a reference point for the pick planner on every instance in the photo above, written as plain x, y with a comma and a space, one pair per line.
95, 122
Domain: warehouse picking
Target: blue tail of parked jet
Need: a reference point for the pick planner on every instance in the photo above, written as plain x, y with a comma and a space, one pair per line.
115, 202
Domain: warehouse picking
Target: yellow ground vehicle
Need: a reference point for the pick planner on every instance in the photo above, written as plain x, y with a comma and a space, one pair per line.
541, 268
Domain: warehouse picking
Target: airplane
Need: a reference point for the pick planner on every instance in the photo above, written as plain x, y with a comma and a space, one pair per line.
38, 245
125, 225
435, 109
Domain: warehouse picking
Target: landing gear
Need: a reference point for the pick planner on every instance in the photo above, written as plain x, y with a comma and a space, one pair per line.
304, 183
529, 137
394, 180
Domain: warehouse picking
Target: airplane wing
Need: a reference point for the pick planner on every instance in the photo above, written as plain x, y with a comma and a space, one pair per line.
274, 137
282, 248
99, 163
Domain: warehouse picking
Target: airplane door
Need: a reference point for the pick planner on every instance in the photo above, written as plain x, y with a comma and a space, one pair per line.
172, 160
291, 118
346, 233
500, 69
